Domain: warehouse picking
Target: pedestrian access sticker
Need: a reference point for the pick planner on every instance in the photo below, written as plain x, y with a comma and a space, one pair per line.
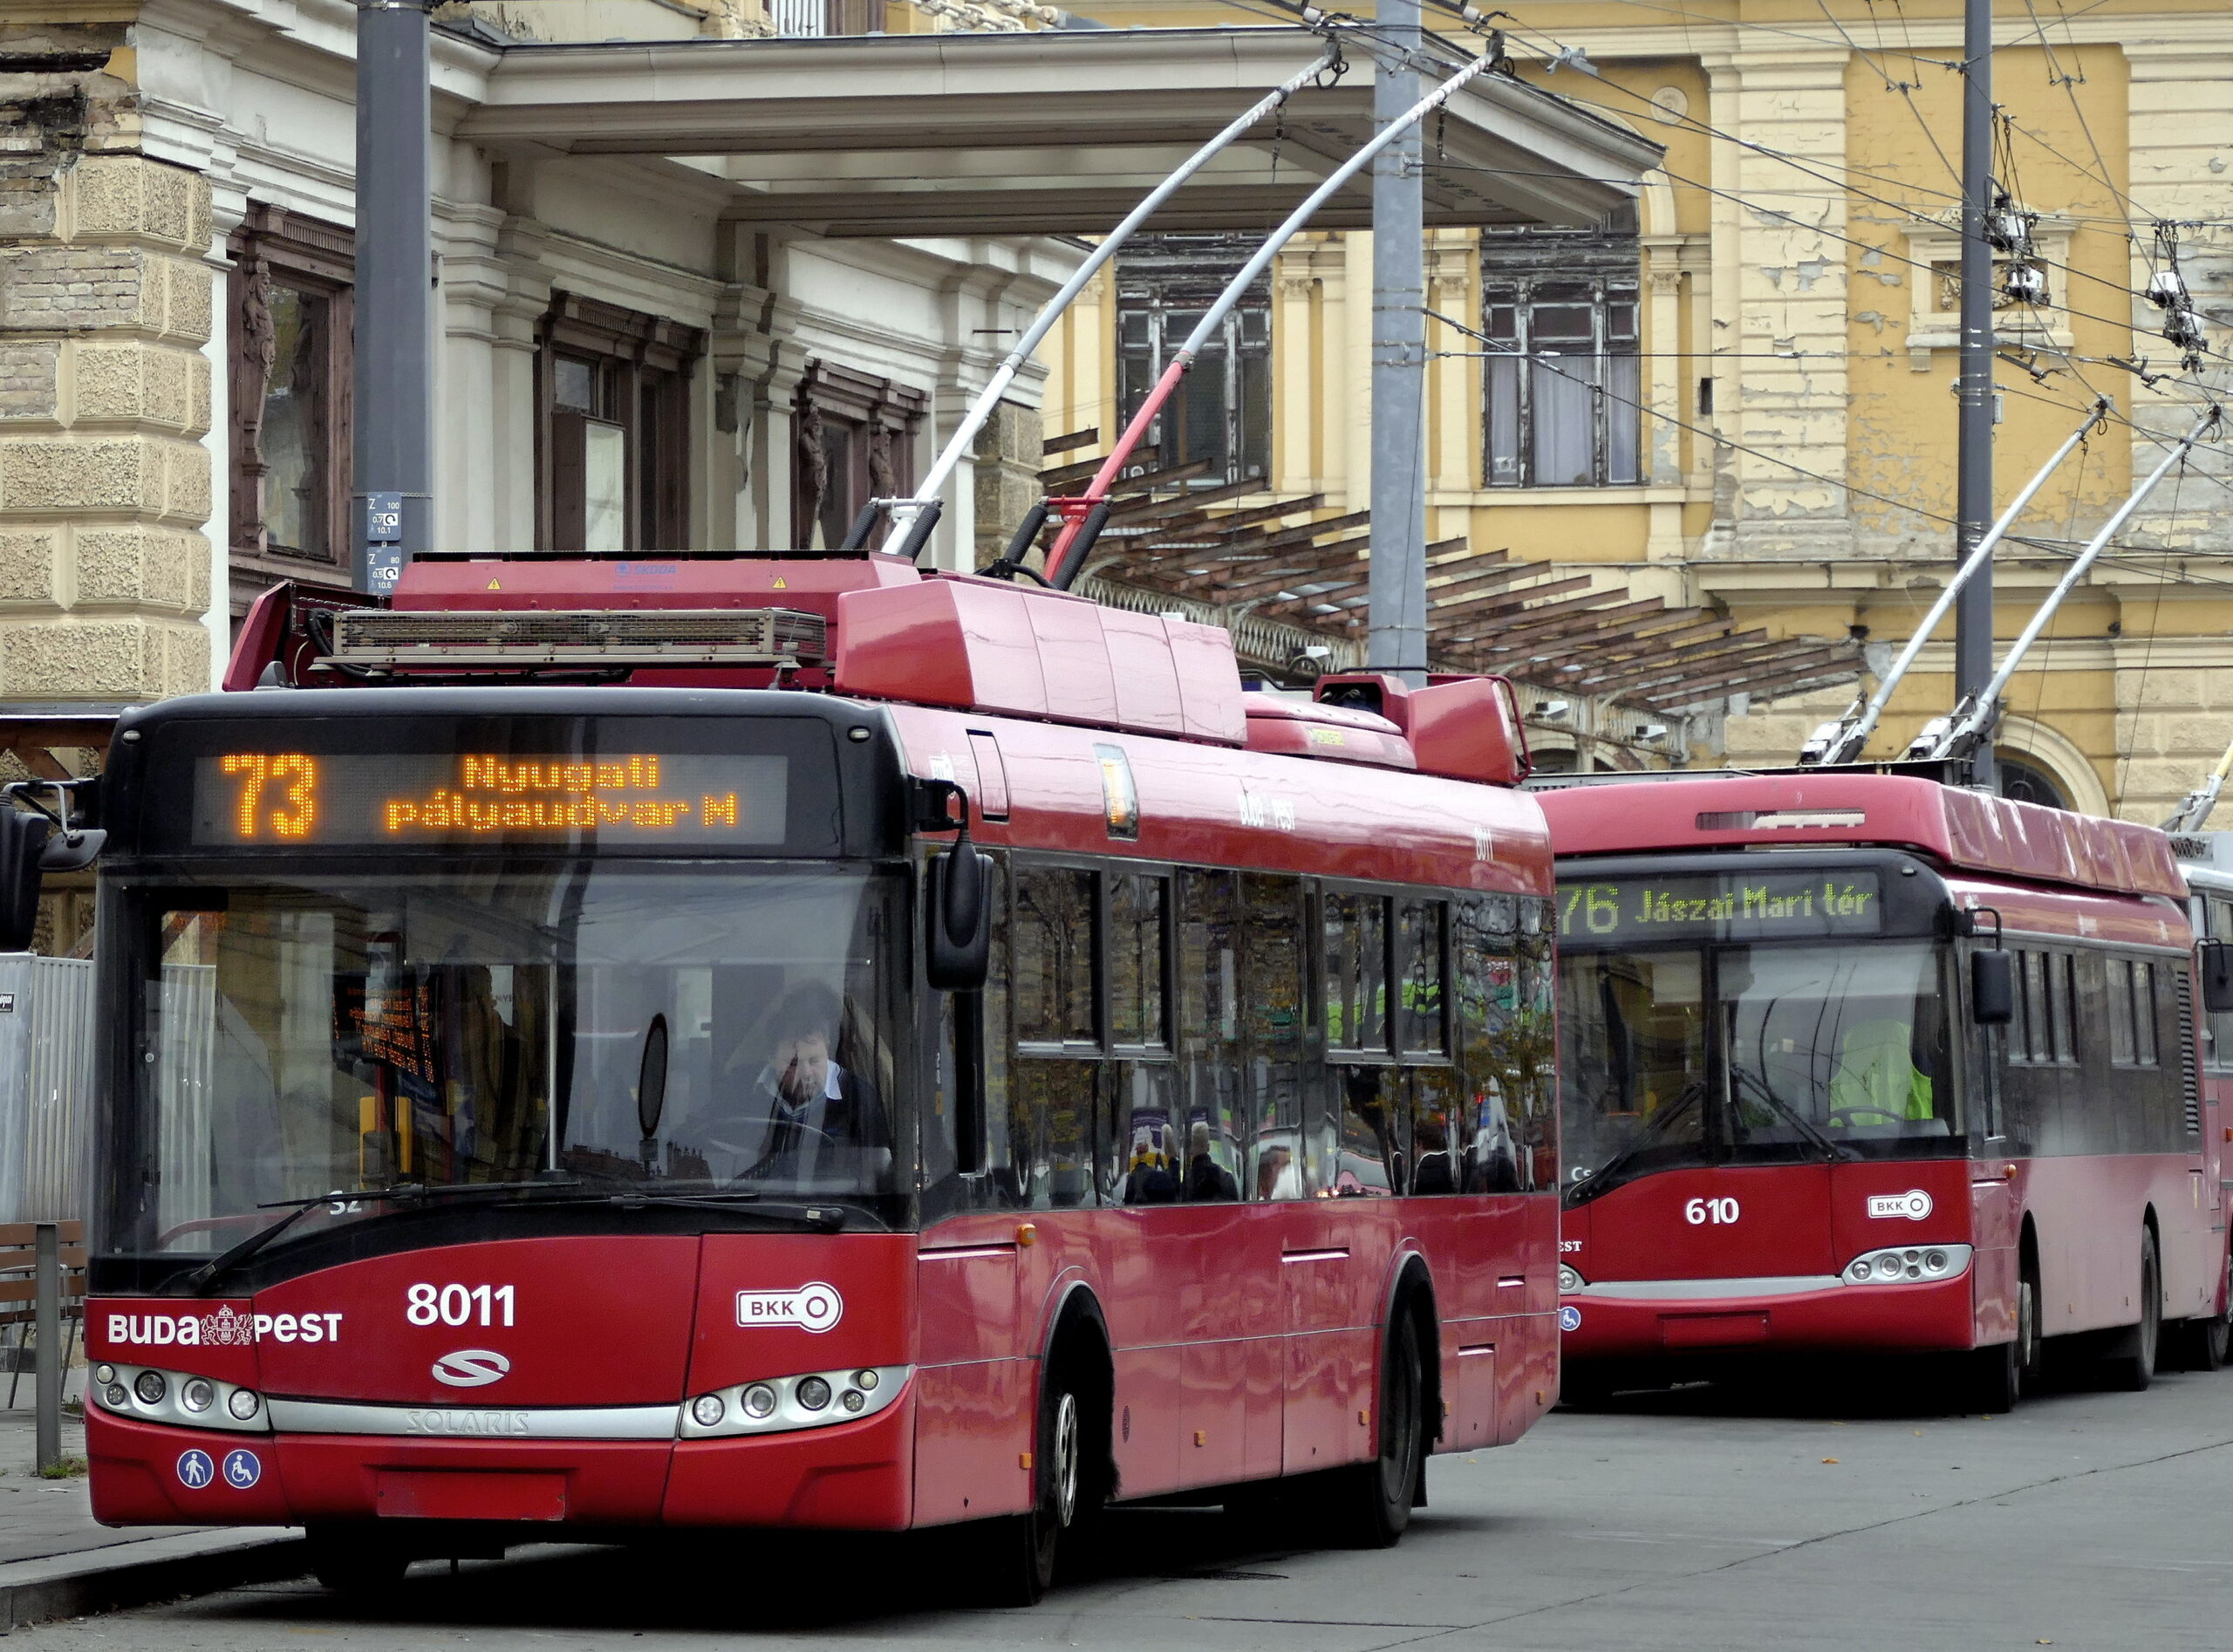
242, 1469
196, 1471
1569, 1318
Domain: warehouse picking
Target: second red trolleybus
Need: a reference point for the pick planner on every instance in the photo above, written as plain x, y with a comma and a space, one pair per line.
608, 1044
1864, 1064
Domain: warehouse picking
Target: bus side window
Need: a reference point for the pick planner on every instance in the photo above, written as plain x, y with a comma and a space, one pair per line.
1056, 1072
1420, 1000
1211, 1120
2063, 1011
1494, 1124
1356, 972
1275, 1045
1437, 1117
2218, 1047
2120, 1038
1138, 905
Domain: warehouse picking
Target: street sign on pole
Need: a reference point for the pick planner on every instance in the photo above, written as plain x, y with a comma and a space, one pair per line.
383, 542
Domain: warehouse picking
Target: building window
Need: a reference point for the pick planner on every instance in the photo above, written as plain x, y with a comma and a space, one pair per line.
854, 442
613, 433
1222, 411
290, 370
816, 17
1563, 378
2027, 784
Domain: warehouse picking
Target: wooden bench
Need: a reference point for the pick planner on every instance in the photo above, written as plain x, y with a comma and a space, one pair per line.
19, 1286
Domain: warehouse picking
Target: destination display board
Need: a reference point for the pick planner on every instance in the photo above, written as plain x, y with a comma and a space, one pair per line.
631, 785
1645, 910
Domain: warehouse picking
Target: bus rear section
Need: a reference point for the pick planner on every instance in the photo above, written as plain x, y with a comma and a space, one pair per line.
1794, 1120
552, 1109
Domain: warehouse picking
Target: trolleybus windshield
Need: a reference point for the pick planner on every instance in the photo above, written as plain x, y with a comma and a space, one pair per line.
1751, 1053
543, 1028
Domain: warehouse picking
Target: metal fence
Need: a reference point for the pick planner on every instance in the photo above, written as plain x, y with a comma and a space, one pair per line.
46, 1080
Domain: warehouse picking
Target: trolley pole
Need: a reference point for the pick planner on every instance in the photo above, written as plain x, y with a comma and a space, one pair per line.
392, 504
1973, 493
1396, 583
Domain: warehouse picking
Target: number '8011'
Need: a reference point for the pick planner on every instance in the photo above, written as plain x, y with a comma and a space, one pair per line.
1718, 1211
458, 1304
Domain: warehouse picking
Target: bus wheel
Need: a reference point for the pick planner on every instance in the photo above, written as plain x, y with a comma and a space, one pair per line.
2133, 1366
2205, 1343
1996, 1376
354, 1561
1374, 1500
1025, 1547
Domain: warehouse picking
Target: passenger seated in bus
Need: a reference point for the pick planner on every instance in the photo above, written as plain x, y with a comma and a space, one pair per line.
1877, 1081
821, 1114
1207, 1181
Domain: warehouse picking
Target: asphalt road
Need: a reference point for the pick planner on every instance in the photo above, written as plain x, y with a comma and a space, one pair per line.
1700, 1520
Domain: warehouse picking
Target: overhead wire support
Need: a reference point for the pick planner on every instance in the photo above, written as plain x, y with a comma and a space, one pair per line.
2194, 810
1844, 740
1084, 516
914, 518
1958, 737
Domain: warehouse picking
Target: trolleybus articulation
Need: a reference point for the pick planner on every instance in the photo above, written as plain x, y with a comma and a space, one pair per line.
568, 1074
1861, 1063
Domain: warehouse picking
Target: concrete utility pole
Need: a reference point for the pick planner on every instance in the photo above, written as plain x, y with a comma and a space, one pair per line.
391, 518
1397, 586
1973, 491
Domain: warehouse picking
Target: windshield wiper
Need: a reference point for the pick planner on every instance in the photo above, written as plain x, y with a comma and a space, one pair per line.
199, 1282
1603, 1179
1831, 1149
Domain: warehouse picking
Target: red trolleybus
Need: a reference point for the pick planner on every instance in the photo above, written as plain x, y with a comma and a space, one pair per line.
536, 1105
1860, 1062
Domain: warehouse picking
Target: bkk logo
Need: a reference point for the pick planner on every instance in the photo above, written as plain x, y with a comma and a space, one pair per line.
811, 1307
1913, 1205
224, 1328
471, 1368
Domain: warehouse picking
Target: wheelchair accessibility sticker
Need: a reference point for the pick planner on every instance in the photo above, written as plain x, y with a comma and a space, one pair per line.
196, 1471
242, 1469
1569, 1318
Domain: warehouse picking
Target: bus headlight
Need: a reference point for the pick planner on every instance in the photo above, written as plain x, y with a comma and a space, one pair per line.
1909, 1264
179, 1398
1570, 1281
779, 1404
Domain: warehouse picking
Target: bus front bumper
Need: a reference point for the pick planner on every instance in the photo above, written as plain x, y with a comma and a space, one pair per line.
1677, 1319
850, 1476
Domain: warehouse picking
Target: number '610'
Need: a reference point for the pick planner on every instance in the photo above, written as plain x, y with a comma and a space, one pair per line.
1720, 1212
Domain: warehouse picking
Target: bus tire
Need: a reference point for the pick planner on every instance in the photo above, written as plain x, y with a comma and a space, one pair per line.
2204, 1344
1996, 1376
2133, 1367
355, 1561
1374, 1500
1026, 1548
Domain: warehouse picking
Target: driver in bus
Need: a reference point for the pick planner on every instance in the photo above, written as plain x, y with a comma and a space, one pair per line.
821, 1114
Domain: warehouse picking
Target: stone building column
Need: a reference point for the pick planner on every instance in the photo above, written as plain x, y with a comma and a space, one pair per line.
1779, 287
105, 397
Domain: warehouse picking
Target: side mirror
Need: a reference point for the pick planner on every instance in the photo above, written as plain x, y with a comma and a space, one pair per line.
23, 842
2215, 959
960, 951
1992, 987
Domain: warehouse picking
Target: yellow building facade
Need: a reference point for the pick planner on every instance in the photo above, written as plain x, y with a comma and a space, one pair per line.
1783, 442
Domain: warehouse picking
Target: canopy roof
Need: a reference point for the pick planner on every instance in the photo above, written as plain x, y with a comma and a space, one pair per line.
1030, 134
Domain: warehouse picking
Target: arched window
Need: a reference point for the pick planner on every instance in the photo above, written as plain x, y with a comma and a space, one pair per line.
2027, 783
1554, 760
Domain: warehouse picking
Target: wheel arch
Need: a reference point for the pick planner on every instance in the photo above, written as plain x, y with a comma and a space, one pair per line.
1410, 1292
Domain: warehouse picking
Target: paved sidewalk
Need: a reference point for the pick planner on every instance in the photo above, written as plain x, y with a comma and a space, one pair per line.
55, 1561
